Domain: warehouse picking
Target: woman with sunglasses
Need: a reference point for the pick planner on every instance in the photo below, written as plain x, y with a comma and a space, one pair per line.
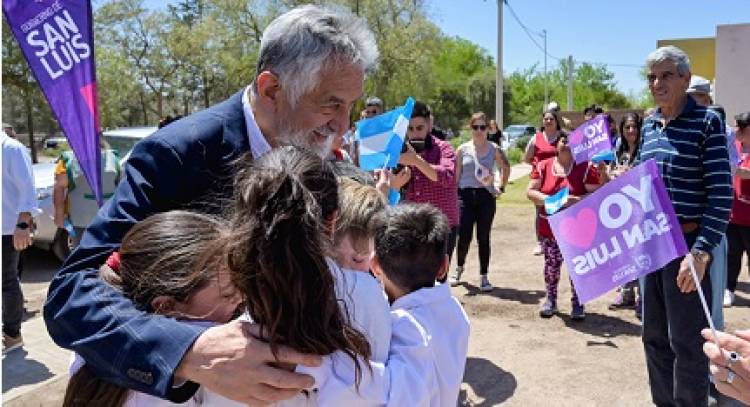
475, 164
549, 177
541, 147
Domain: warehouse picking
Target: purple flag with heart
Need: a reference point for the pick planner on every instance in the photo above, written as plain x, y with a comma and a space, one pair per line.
590, 138
624, 230
56, 39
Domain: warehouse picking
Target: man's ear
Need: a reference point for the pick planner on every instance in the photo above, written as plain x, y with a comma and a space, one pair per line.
163, 304
375, 267
443, 268
268, 86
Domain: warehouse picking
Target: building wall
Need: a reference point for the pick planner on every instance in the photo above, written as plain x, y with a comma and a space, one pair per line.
702, 53
732, 69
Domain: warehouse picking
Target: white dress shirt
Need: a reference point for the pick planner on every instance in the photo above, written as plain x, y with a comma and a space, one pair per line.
425, 367
258, 143
19, 194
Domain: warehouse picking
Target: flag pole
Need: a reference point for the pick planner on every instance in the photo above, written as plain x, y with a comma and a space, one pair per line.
697, 281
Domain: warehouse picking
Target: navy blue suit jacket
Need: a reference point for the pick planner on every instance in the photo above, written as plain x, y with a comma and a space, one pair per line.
185, 165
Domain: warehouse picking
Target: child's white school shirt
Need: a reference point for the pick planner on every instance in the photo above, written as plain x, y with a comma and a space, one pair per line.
425, 367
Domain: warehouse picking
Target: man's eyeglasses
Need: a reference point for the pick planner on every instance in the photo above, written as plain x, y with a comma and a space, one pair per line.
665, 76
479, 126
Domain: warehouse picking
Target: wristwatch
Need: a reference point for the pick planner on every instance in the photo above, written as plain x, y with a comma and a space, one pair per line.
22, 225
701, 255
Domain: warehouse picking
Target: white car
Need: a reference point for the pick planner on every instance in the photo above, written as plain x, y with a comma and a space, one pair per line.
47, 236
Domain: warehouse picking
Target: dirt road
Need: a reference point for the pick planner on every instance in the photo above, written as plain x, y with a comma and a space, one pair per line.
520, 359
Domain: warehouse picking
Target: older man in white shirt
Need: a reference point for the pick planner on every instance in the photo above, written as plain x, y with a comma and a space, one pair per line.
19, 206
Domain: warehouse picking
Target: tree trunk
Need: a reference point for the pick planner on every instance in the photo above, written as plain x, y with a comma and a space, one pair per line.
30, 123
206, 91
144, 109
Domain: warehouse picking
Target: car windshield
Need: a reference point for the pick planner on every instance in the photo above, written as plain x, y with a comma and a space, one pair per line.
121, 144
123, 140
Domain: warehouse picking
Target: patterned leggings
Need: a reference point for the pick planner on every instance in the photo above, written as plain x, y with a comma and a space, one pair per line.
553, 261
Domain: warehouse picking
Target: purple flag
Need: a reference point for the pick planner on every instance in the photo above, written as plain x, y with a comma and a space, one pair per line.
624, 230
590, 138
56, 39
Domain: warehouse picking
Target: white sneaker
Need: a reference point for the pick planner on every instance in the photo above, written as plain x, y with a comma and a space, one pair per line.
537, 250
728, 298
485, 285
454, 278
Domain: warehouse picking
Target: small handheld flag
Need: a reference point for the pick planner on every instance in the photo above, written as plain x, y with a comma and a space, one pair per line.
555, 202
603, 156
381, 137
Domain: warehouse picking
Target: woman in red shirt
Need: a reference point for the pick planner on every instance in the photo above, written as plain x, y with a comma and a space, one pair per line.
738, 230
548, 177
541, 147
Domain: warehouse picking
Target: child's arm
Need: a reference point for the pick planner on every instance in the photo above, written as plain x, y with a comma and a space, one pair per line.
406, 380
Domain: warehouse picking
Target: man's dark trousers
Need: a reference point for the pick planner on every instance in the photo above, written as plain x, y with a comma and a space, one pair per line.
672, 324
12, 294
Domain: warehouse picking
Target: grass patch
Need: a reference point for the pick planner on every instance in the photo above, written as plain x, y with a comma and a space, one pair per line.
515, 193
514, 156
463, 136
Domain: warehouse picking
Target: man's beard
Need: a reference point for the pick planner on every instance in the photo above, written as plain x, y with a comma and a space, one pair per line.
307, 139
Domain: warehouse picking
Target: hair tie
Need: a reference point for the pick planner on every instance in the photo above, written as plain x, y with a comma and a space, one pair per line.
113, 261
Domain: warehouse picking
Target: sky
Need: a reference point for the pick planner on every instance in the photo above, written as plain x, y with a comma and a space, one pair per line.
610, 31
616, 32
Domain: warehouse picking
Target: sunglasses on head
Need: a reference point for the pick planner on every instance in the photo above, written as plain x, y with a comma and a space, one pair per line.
479, 126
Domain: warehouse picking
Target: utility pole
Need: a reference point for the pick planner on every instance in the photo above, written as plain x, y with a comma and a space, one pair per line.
570, 83
546, 90
499, 80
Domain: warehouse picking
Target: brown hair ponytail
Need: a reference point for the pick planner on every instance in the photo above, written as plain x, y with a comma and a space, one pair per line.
284, 203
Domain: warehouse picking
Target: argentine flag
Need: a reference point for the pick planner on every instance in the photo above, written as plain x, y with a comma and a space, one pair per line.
555, 202
608, 155
381, 137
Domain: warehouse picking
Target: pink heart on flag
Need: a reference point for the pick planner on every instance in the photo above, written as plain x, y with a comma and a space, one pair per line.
580, 230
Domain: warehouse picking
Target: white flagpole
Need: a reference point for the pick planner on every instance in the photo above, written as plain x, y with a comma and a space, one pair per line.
697, 281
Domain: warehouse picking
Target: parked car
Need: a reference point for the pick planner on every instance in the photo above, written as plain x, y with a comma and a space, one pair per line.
515, 131
55, 142
47, 236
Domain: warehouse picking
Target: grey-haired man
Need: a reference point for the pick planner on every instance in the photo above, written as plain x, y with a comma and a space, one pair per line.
689, 146
309, 74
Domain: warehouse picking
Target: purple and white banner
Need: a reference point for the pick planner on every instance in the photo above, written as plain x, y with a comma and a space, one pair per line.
589, 139
57, 40
624, 230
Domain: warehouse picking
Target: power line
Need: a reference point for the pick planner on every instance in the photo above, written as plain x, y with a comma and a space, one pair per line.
529, 33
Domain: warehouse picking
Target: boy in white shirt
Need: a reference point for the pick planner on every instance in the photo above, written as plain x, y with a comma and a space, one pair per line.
430, 330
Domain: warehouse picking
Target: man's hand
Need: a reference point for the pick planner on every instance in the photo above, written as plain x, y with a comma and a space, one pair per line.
410, 157
230, 360
400, 179
22, 238
685, 278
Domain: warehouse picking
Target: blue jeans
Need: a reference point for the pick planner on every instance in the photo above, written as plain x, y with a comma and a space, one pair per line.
672, 323
718, 282
12, 294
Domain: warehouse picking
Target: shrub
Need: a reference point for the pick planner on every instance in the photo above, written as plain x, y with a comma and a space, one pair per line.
515, 155
522, 142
